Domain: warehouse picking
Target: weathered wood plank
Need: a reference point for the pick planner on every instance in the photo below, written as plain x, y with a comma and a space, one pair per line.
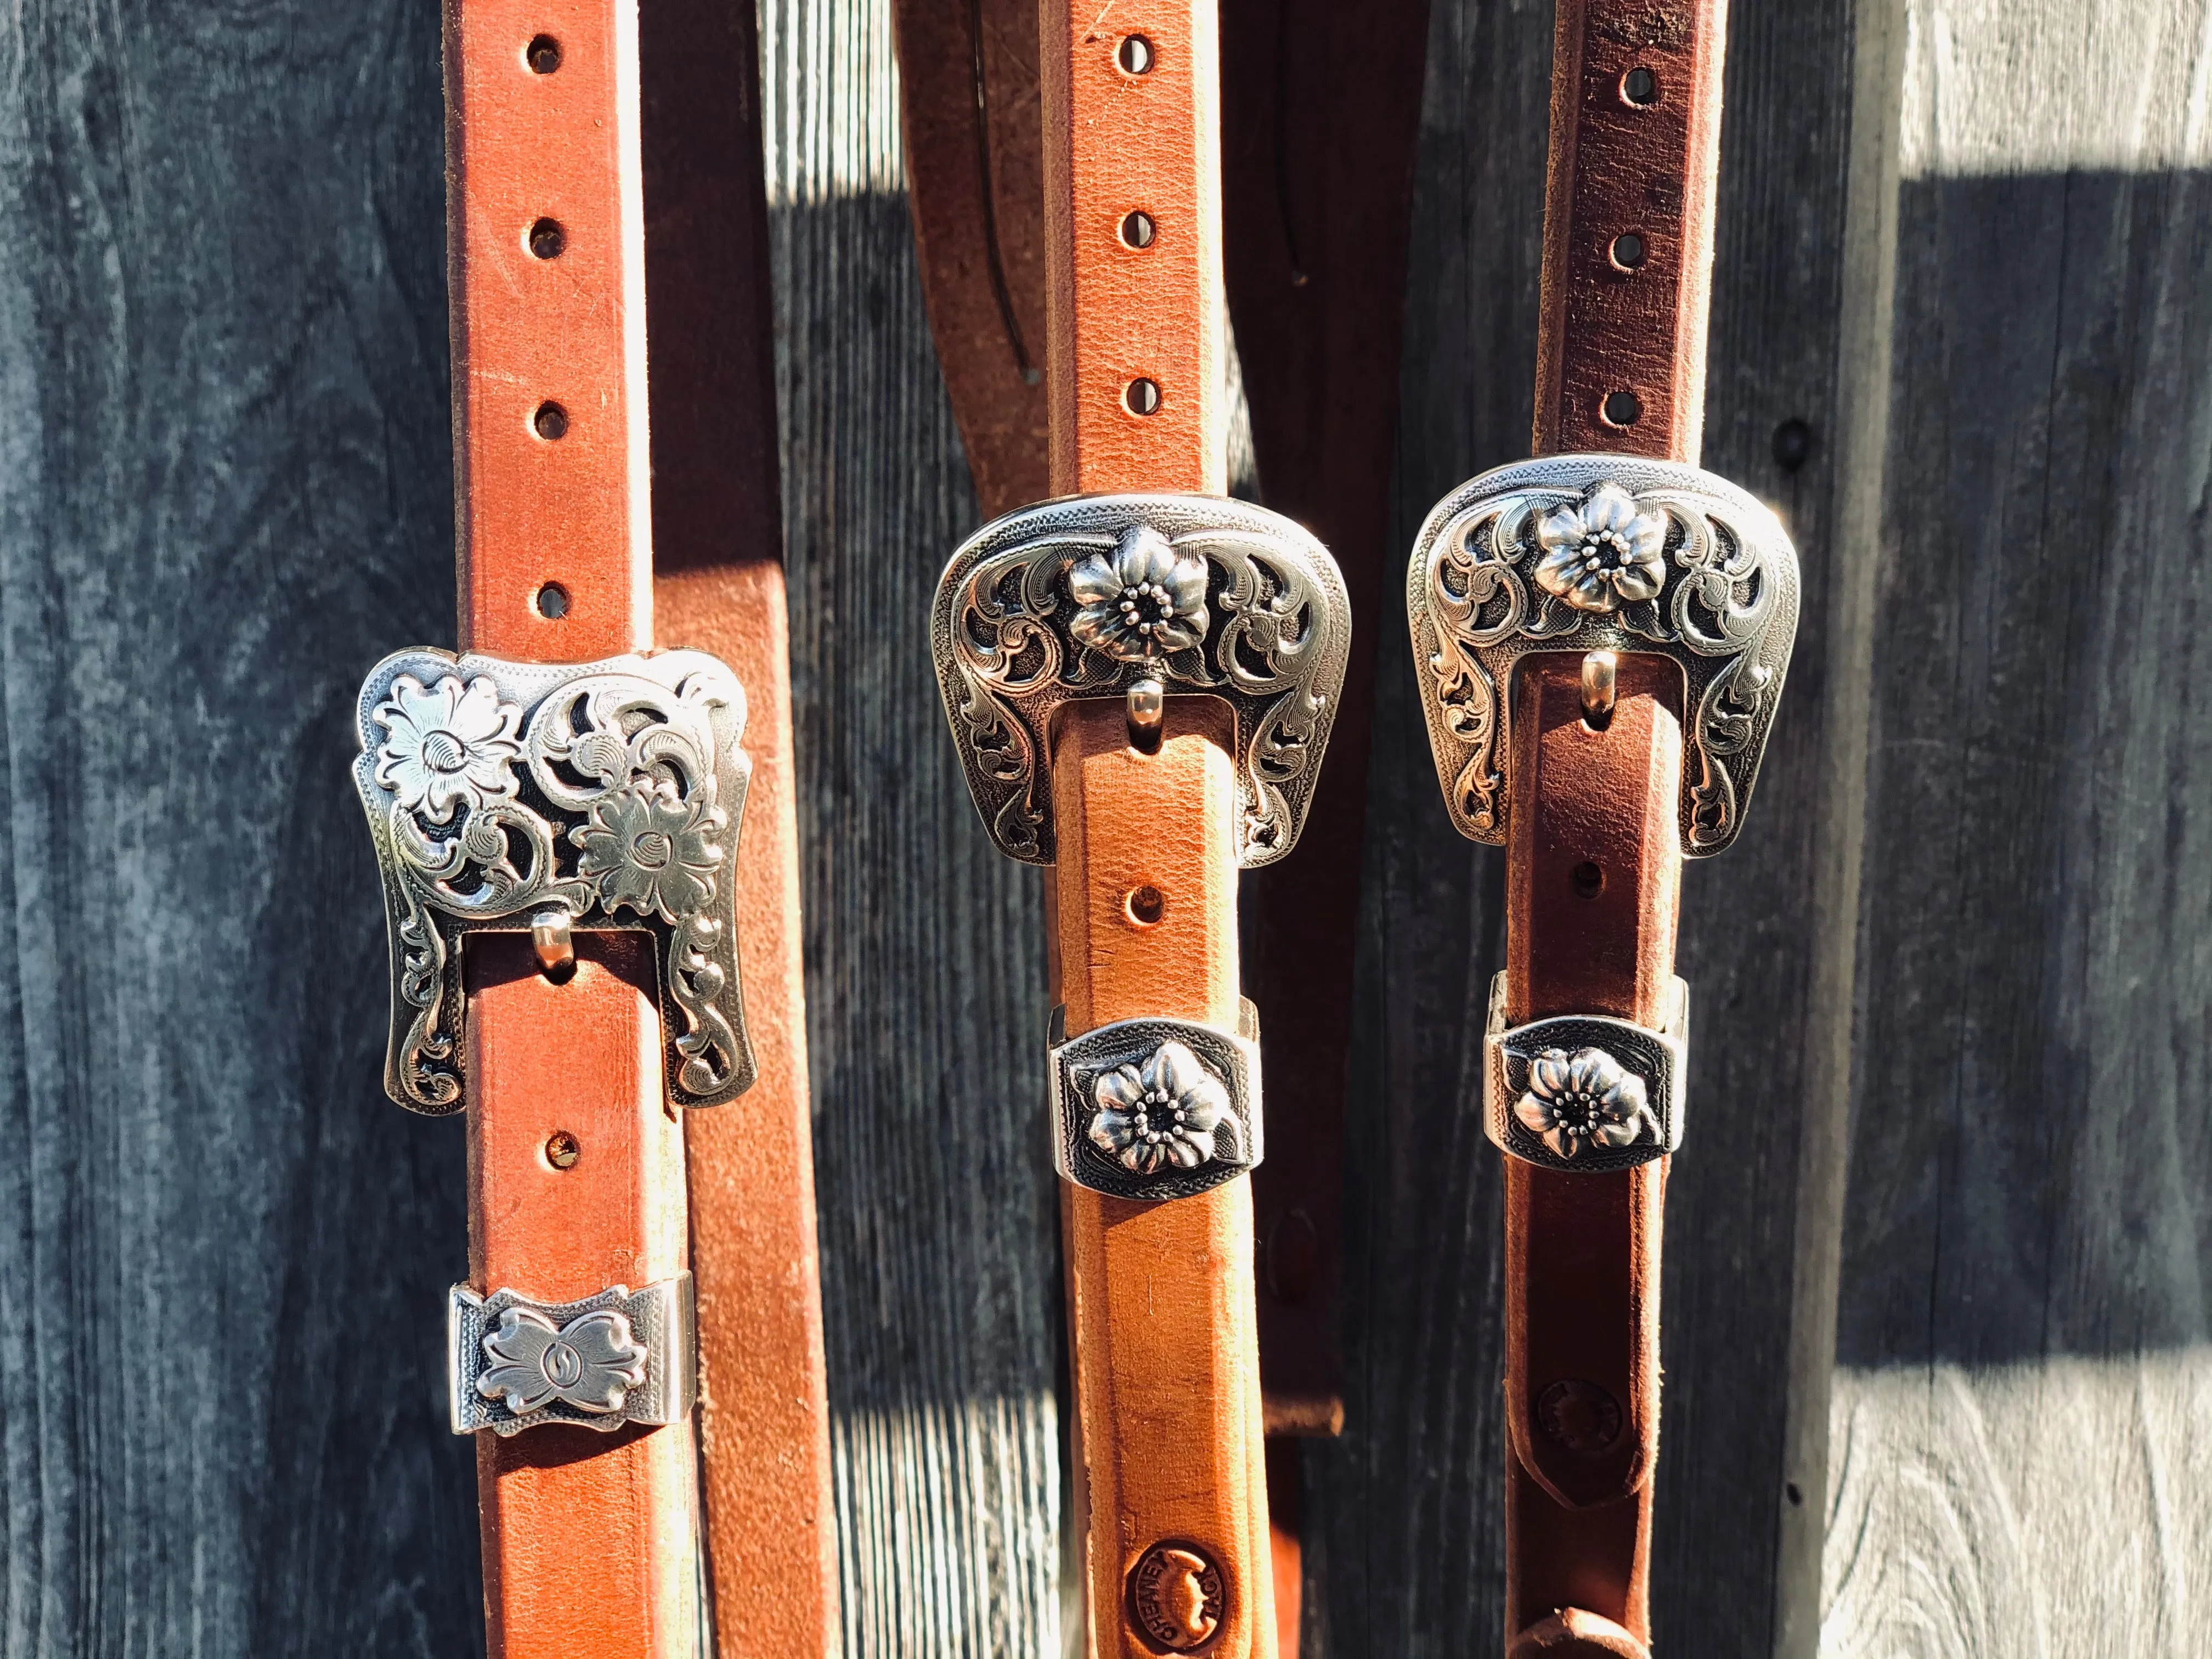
225, 490
940, 1219
2027, 1380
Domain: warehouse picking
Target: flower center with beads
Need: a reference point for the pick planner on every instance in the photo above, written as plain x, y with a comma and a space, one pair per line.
1146, 608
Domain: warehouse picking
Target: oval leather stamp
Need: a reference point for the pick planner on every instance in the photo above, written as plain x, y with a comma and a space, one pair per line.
1581, 1416
1176, 1596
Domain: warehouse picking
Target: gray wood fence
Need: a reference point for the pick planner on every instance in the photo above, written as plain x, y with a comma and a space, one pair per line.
1939, 1375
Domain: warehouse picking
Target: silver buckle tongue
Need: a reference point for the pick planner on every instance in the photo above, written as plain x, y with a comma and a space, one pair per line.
1584, 553
623, 1356
1585, 1093
1156, 1109
528, 797
1094, 595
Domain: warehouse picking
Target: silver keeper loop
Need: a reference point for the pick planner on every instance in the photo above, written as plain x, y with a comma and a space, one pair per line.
1585, 1093
1093, 596
1592, 554
623, 1356
539, 798
1155, 1109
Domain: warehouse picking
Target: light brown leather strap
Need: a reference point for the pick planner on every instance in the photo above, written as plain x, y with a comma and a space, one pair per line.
1118, 143
587, 1538
1161, 1295
1166, 1346
719, 586
1594, 855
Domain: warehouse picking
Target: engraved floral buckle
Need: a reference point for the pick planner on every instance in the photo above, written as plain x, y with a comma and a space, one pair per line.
1584, 1092
623, 1356
1593, 553
1137, 597
1156, 1109
530, 796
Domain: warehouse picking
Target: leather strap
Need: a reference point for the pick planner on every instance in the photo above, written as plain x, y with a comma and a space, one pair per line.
1582, 1264
1161, 1296
1320, 104
1636, 159
1594, 855
719, 586
1319, 108
546, 239
974, 149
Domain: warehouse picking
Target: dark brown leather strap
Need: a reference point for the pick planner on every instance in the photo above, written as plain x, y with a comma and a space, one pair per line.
1593, 872
547, 280
1636, 123
1320, 104
718, 540
974, 154
1594, 854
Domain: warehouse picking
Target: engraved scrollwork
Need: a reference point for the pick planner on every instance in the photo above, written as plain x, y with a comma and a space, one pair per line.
498, 791
1084, 597
1603, 553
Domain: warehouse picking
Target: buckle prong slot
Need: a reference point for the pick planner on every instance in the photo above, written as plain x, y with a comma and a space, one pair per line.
1147, 706
553, 941
1599, 672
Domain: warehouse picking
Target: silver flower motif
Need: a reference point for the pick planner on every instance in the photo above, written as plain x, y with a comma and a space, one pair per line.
1601, 552
591, 1364
446, 744
650, 848
1169, 1112
1144, 600
1587, 1096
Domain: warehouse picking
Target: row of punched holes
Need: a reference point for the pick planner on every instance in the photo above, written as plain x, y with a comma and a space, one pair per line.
547, 238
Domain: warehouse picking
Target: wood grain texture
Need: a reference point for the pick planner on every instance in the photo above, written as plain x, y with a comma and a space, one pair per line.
226, 489
2023, 1319
925, 948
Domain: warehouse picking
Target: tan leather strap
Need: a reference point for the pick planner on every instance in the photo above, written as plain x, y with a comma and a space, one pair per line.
1594, 851
1161, 1295
718, 540
1117, 143
546, 239
1319, 103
